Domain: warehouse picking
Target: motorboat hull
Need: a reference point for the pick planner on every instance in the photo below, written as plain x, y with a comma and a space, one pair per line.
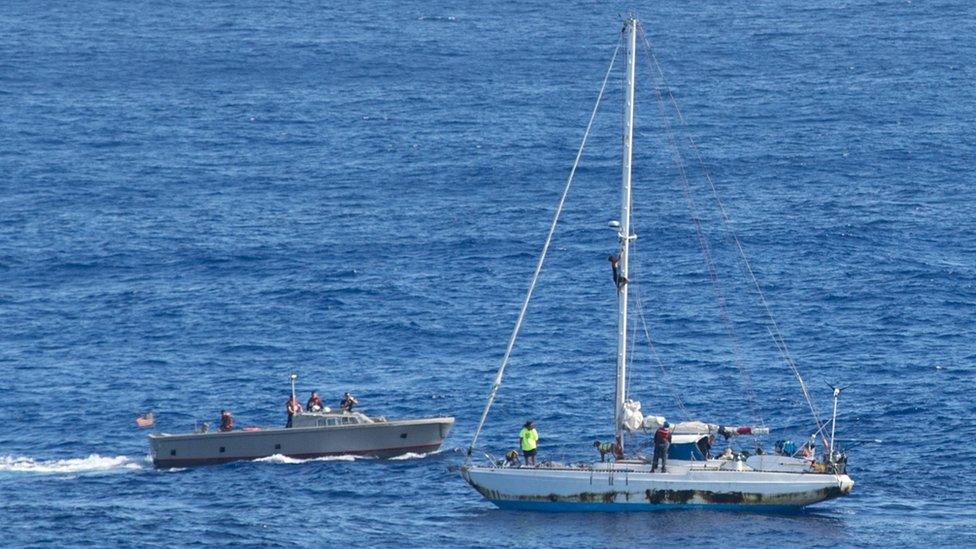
381, 439
602, 488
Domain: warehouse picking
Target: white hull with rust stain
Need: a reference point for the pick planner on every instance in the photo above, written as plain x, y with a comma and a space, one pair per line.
631, 486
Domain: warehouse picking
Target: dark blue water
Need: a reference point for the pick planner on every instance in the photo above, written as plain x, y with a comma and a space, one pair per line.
198, 198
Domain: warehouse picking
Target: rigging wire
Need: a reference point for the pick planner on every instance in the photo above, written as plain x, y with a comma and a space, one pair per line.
707, 257
542, 257
773, 327
647, 336
632, 352
657, 357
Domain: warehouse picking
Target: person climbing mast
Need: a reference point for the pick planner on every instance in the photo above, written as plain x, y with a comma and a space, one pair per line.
618, 280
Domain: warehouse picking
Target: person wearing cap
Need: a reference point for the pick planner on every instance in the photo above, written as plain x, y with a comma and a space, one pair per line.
529, 441
662, 441
348, 401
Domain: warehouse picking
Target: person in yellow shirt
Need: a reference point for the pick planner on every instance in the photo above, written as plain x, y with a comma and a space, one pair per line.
529, 441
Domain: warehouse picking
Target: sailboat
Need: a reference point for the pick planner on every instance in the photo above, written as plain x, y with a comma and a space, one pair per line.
777, 481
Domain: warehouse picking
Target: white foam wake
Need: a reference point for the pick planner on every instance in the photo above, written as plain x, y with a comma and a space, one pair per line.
278, 458
91, 464
339, 458
412, 455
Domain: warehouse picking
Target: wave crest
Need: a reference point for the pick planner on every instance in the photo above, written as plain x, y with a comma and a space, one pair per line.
413, 455
279, 458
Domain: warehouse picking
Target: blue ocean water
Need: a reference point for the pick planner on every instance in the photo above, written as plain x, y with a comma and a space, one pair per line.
198, 198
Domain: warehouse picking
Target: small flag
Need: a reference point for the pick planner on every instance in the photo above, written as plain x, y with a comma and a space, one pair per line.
147, 420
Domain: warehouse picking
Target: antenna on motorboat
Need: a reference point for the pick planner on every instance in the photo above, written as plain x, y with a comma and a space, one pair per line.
294, 377
833, 420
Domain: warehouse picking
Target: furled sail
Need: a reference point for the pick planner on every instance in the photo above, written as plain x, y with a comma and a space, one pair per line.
633, 419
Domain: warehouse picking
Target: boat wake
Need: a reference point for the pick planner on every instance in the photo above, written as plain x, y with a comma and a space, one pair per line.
94, 463
283, 459
412, 455
278, 458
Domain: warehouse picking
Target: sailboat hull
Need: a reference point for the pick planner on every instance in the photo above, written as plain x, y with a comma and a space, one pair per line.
637, 489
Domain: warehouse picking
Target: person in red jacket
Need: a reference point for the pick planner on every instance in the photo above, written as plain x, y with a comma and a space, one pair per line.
662, 441
314, 403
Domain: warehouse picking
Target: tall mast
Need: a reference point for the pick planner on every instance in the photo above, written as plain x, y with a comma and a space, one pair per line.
630, 28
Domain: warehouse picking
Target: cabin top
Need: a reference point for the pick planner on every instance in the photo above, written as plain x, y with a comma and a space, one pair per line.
330, 418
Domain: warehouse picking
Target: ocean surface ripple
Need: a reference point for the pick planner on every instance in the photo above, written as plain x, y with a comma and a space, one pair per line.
197, 198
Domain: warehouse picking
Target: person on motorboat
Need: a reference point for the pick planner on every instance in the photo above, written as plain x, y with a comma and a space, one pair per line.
292, 407
662, 441
348, 402
314, 403
226, 421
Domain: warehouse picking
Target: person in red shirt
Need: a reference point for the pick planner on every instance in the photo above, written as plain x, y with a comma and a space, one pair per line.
314, 403
226, 421
662, 441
